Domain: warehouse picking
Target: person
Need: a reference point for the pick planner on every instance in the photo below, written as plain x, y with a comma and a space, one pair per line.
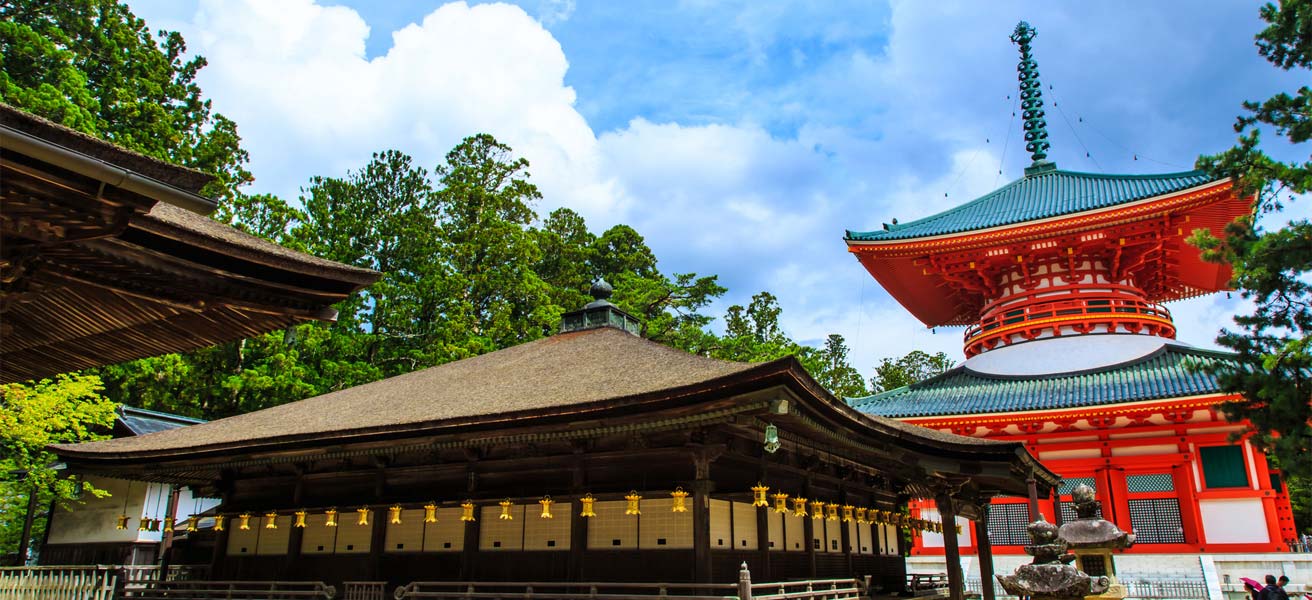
1272, 591
1251, 587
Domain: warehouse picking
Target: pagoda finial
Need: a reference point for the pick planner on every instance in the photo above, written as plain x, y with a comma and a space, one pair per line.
1031, 94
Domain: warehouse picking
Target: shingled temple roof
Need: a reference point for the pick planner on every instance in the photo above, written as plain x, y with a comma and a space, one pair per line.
1042, 195
109, 256
1170, 372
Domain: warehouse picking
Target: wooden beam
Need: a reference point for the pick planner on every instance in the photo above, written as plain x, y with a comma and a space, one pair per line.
951, 553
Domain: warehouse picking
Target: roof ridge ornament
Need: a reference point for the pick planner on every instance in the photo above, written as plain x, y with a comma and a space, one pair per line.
600, 313
1031, 97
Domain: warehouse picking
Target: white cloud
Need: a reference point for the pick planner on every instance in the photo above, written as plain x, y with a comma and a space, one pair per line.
295, 76
879, 133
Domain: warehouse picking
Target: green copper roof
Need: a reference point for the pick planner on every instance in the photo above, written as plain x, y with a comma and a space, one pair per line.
1040, 195
1167, 373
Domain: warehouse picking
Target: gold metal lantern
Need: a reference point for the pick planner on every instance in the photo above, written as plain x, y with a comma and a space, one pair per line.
799, 507
193, 524
632, 498
818, 510
680, 500
394, 514
168, 524
331, 517
362, 515
467, 511
831, 511
586, 510
244, 521
271, 520
546, 503
299, 522
218, 522
121, 522
861, 516
758, 494
430, 512
505, 510
847, 513
780, 502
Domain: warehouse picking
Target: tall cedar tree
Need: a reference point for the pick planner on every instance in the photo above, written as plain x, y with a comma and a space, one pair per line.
1273, 373
94, 66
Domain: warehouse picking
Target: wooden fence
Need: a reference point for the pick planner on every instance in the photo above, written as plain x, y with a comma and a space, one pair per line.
58, 583
1135, 589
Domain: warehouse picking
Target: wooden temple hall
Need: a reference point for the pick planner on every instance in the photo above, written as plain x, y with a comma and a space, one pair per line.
590, 455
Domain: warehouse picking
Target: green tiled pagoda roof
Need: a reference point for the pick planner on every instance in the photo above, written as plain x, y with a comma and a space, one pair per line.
1040, 195
1170, 372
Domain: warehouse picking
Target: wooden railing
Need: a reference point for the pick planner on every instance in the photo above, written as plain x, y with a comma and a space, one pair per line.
364, 590
231, 590
58, 583
556, 590
927, 584
820, 589
992, 327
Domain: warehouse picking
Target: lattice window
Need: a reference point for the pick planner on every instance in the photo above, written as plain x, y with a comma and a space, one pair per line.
1007, 524
1157, 521
1070, 483
1068, 512
1157, 482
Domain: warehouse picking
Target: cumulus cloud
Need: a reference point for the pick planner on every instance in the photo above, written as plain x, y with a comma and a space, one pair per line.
755, 184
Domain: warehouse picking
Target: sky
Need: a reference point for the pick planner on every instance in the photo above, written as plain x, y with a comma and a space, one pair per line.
740, 138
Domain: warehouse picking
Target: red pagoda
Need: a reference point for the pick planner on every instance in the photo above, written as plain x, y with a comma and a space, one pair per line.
1059, 279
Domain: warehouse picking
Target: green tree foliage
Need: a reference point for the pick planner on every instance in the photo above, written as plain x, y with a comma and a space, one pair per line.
915, 366
1271, 261
93, 66
832, 368
68, 408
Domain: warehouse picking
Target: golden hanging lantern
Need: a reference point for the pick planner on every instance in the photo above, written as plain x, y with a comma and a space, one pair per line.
861, 516
331, 515
780, 502
271, 520
799, 507
632, 507
168, 524
144, 525
121, 522
505, 510
831, 511
680, 500
847, 513
154, 524
192, 525
958, 529
467, 511
818, 509
546, 503
394, 514
244, 521
362, 517
587, 502
300, 518
430, 513
218, 522
758, 494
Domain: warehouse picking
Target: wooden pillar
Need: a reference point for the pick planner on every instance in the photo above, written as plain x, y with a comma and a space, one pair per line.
166, 540
469, 554
763, 542
1034, 498
296, 537
224, 486
951, 553
808, 532
377, 541
1056, 506
701, 517
28, 518
578, 540
984, 547
845, 538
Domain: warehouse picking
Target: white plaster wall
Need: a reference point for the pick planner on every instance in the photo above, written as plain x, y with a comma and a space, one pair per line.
93, 519
935, 540
1145, 450
1236, 520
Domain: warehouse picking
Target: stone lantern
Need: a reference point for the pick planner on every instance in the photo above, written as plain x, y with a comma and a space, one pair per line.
1050, 576
1093, 540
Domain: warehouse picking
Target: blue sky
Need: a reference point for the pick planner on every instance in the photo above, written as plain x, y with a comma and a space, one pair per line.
741, 138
